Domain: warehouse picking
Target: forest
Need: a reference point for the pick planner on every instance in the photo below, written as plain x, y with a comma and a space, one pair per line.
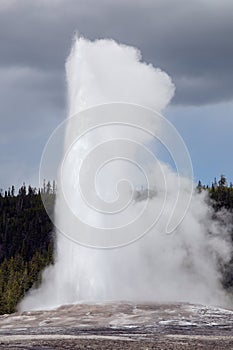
27, 237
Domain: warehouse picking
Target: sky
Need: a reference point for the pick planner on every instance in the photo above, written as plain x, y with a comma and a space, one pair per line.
190, 40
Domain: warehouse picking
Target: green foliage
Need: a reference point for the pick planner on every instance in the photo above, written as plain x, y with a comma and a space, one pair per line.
26, 243
220, 193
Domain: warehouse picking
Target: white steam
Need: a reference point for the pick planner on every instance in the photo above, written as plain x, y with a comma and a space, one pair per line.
104, 71
158, 267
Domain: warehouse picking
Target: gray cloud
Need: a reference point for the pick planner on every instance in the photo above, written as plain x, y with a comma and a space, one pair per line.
191, 40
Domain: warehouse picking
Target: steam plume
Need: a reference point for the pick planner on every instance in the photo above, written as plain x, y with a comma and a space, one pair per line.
158, 267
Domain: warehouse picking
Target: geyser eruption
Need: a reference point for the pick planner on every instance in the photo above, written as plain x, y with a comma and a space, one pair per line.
157, 267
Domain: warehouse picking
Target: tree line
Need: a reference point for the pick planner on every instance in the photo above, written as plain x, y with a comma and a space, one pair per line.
26, 242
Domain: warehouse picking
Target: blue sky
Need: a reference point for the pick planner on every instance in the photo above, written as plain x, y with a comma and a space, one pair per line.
190, 40
207, 132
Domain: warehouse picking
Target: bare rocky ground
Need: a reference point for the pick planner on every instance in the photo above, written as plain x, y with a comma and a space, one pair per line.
119, 326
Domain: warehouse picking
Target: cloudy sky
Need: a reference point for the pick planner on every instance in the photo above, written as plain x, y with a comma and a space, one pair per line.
190, 40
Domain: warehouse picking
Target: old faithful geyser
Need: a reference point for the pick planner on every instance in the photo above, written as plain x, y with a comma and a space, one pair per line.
158, 267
